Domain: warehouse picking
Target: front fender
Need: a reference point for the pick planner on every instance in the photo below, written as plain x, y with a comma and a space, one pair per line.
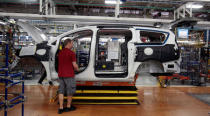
40, 51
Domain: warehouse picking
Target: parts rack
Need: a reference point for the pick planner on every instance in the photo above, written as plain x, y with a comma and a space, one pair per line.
8, 82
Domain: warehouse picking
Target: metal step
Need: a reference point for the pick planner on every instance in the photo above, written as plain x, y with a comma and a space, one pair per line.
105, 95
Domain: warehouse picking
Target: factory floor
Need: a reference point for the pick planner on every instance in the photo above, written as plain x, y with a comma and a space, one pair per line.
155, 101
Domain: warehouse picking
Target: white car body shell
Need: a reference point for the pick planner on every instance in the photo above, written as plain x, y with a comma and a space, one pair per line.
89, 73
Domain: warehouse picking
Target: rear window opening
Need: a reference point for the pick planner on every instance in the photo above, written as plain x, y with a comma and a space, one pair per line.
170, 66
152, 37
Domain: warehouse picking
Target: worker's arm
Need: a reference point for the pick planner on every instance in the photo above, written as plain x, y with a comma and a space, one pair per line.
75, 66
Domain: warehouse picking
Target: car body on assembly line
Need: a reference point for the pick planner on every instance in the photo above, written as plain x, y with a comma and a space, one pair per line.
114, 53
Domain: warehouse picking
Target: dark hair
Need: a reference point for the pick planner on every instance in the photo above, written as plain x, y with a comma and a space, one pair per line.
66, 42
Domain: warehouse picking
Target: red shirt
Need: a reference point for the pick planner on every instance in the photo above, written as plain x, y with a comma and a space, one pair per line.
65, 66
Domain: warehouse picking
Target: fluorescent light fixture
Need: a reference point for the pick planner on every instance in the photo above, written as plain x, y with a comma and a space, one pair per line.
196, 6
111, 2
2, 23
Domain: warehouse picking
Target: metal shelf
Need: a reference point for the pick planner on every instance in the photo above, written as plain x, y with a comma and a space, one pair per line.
7, 79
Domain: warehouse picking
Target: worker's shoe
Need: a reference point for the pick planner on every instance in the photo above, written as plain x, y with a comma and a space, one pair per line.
60, 111
72, 108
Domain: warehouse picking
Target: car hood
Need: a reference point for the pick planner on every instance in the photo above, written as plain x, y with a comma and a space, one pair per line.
33, 31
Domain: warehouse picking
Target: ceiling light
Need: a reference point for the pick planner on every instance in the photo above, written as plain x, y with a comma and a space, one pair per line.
2, 23
197, 6
111, 2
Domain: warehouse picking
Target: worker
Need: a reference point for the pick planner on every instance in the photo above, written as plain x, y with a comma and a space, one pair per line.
66, 66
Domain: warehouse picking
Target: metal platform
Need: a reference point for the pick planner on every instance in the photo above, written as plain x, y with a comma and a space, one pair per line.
104, 95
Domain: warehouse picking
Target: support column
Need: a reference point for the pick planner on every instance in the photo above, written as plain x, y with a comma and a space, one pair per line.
46, 7
207, 38
75, 26
40, 6
117, 9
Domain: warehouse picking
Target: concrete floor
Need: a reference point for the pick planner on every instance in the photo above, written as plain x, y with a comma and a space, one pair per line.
155, 101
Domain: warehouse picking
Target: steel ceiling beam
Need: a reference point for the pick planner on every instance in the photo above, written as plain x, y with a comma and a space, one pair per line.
91, 19
83, 18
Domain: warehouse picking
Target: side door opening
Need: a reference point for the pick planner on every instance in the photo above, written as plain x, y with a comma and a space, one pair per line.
82, 44
111, 57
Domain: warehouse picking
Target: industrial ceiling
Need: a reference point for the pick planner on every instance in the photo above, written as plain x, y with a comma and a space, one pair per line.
159, 9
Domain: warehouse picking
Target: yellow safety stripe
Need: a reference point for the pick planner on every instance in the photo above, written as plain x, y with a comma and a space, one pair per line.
128, 92
102, 98
105, 91
100, 91
78, 91
126, 103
